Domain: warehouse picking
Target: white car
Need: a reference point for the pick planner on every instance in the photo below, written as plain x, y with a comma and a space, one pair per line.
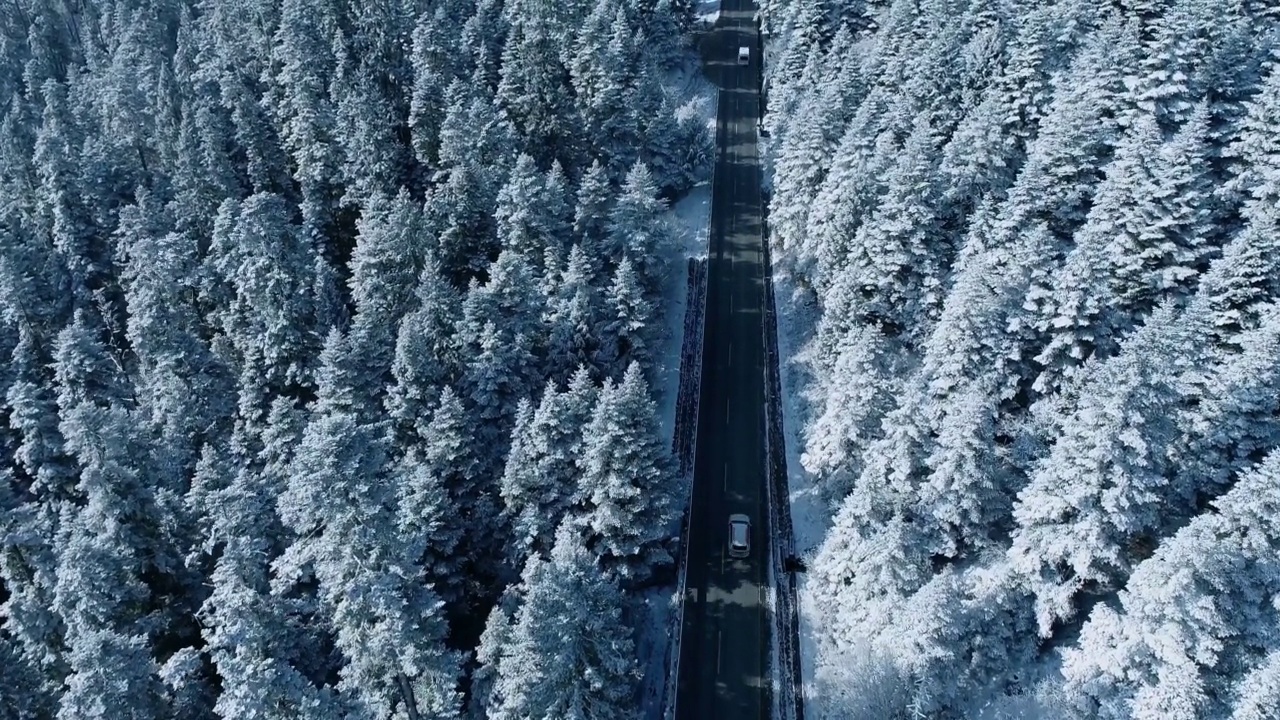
739, 536
744, 55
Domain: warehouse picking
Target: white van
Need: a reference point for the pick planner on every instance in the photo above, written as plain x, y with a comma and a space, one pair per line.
744, 55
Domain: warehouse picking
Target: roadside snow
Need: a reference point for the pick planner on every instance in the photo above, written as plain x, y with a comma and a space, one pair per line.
653, 609
656, 610
708, 11
797, 312
691, 219
693, 215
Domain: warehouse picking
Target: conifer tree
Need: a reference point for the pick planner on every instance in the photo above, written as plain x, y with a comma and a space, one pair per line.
627, 484
1194, 611
473, 131
263, 270
638, 229
182, 386
899, 251
576, 317
386, 622
305, 111
110, 546
436, 65
602, 79
1242, 280
625, 333
1255, 152
822, 240
460, 214
590, 216
452, 456
426, 354
535, 91
28, 534
367, 122
529, 213
247, 628
489, 653
540, 482
61, 208
856, 398
570, 654
1258, 693
1102, 488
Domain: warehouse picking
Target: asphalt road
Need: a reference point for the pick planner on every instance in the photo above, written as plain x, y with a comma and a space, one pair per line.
725, 638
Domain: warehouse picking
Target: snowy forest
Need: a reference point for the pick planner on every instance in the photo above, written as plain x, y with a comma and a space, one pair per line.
1037, 247
331, 330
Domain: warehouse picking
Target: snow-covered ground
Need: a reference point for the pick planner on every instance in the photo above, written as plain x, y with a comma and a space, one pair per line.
657, 609
809, 515
797, 312
708, 11
691, 218
656, 606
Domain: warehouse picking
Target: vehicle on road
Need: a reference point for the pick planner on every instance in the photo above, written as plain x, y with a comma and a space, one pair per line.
739, 535
744, 55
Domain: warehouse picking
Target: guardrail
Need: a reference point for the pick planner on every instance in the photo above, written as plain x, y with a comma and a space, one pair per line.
789, 701
683, 446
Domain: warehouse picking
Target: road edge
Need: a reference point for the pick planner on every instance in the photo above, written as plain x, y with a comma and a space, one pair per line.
684, 447
788, 676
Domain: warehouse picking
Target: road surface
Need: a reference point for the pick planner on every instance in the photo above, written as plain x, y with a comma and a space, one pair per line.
722, 672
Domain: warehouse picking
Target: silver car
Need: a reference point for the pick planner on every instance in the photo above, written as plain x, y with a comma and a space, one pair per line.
739, 536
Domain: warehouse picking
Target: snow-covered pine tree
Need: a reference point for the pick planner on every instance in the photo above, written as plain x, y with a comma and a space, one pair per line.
1257, 695
438, 61
627, 485
261, 271
540, 482
111, 549
1101, 494
579, 321
459, 213
569, 653
1192, 618
594, 199
426, 355
625, 335
638, 228
387, 623
535, 91
262, 656
602, 72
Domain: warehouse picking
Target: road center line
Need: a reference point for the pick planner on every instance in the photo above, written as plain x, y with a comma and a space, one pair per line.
719, 647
